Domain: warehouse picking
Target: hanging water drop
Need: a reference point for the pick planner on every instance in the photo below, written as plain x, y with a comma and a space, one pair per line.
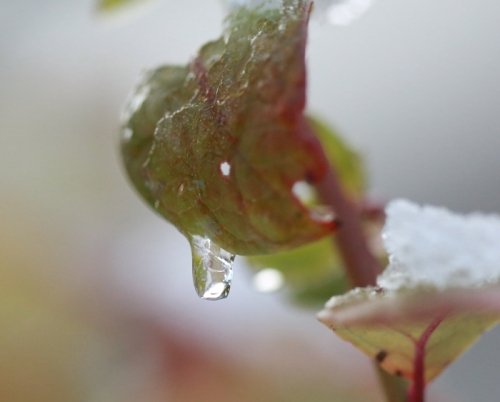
212, 268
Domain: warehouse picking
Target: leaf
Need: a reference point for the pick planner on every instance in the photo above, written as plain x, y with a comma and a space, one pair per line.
347, 162
315, 272
216, 147
112, 5
388, 327
440, 292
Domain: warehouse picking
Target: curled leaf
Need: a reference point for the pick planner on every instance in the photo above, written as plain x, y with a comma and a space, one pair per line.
216, 146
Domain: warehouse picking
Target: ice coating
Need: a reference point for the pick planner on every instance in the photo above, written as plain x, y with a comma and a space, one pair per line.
431, 246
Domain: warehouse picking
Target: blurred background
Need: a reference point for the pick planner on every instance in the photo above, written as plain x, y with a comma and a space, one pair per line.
96, 296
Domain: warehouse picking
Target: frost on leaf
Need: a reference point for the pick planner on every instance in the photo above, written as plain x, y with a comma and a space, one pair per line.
442, 283
216, 146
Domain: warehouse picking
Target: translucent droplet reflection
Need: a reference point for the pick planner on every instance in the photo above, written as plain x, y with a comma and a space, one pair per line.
212, 268
268, 280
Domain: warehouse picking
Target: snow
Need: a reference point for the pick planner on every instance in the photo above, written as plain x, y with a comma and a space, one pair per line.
431, 246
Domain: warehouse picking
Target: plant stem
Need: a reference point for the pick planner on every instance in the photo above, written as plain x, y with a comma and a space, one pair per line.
361, 265
394, 388
417, 390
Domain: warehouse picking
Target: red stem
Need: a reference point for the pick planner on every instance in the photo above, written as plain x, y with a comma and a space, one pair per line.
361, 265
417, 390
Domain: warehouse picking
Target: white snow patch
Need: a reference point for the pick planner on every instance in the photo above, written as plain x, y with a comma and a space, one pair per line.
431, 246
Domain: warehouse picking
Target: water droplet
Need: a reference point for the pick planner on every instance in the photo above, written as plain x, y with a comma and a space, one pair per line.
225, 168
212, 268
268, 280
322, 213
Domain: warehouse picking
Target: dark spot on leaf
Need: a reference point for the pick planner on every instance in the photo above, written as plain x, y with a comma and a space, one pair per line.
398, 373
380, 357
